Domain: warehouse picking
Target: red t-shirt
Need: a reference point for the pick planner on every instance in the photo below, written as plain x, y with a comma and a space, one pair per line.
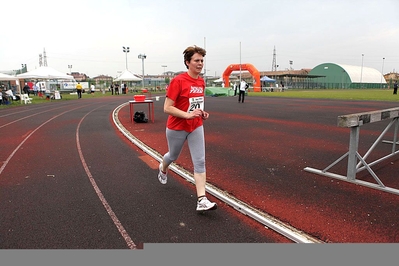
188, 94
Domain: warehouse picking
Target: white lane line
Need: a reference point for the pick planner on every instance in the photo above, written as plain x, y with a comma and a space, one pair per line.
31, 133
25, 110
100, 195
26, 117
26, 138
116, 221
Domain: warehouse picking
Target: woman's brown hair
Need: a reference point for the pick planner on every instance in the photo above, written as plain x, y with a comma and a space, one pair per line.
190, 51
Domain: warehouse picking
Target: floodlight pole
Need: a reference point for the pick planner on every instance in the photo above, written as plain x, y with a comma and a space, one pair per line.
142, 57
126, 50
240, 63
164, 69
291, 62
382, 71
361, 72
164, 73
205, 62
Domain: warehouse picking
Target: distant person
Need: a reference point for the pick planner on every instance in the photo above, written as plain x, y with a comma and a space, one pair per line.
39, 89
116, 89
235, 88
184, 103
4, 97
395, 87
26, 89
92, 88
112, 89
282, 86
48, 94
79, 89
243, 88
35, 89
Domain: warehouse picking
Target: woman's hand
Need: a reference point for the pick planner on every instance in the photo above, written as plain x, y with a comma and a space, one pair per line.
198, 113
195, 113
204, 115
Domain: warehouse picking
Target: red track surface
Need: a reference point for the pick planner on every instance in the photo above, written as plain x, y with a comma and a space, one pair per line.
257, 151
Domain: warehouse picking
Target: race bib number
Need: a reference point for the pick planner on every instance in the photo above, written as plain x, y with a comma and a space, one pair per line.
195, 103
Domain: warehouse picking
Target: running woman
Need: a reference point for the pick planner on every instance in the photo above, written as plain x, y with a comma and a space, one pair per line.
184, 103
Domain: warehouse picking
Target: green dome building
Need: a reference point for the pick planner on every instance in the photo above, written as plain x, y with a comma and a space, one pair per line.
337, 76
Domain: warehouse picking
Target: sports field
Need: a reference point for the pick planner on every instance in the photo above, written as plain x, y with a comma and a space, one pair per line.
347, 94
338, 94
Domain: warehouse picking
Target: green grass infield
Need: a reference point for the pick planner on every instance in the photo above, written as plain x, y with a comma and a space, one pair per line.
346, 94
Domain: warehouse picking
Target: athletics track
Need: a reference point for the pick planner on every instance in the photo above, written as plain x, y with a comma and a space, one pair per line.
257, 151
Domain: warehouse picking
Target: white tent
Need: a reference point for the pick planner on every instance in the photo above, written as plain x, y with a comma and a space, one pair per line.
267, 79
128, 76
45, 72
4, 77
219, 80
7, 77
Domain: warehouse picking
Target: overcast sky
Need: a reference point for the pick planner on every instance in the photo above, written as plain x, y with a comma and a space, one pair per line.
89, 34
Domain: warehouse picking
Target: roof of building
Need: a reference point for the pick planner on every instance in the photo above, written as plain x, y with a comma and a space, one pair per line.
363, 74
357, 74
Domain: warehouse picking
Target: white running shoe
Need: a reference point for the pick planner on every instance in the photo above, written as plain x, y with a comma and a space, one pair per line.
205, 205
162, 177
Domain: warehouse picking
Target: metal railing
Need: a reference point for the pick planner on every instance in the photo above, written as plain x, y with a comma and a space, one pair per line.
357, 162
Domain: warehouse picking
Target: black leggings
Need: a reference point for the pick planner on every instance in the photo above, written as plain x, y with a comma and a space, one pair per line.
241, 96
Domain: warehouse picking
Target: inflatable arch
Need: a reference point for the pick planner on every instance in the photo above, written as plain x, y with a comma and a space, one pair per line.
236, 67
